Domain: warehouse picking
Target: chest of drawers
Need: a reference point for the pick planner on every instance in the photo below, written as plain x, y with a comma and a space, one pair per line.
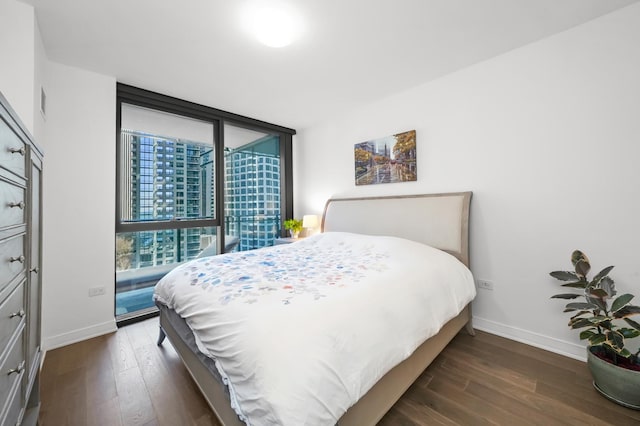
20, 283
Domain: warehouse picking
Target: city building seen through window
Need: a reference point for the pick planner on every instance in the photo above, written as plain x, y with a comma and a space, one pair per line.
170, 180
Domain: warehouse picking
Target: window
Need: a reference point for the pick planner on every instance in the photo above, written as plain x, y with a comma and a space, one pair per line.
153, 236
246, 216
178, 164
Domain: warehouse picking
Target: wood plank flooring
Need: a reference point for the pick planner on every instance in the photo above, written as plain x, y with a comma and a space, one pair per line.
125, 379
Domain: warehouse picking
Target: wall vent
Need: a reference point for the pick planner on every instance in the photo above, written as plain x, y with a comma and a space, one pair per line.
43, 102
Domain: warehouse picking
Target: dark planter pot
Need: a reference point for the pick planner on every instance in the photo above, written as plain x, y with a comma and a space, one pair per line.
618, 384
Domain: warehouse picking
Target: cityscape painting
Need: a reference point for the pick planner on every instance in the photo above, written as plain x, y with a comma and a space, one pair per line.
386, 160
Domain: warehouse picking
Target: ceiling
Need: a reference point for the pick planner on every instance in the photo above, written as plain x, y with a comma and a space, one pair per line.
350, 52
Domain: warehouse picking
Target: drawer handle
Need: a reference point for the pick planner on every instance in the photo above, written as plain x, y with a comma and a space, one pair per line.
19, 369
20, 205
20, 150
20, 314
17, 259
36, 270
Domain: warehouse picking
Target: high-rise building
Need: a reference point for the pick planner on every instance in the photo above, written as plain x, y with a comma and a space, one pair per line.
167, 179
252, 193
174, 179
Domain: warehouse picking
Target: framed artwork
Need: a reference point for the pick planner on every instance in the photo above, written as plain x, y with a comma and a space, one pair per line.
386, 160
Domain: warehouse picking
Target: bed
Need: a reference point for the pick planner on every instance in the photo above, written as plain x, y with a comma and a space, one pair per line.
438, 220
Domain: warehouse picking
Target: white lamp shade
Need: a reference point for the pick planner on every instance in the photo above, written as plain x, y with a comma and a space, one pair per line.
310, 221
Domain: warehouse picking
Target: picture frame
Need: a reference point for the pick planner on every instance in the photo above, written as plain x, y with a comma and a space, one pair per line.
390, 159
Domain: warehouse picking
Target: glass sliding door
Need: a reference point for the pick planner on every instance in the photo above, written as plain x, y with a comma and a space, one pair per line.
166, 200
252, 198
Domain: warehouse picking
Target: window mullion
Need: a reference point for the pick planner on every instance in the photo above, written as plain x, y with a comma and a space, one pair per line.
161, 225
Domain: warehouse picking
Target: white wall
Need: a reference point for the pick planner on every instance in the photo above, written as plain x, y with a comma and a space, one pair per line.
548, 139
17, 39
39, 75
79, 194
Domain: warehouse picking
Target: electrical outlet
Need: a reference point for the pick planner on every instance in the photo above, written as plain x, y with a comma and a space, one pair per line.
96, 291
485, 284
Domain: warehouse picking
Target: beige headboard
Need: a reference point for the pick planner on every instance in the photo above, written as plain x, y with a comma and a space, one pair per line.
439, 220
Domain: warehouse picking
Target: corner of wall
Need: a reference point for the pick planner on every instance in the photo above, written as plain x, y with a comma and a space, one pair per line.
79, 203
530, 338
17, 22
78, 335
39, 85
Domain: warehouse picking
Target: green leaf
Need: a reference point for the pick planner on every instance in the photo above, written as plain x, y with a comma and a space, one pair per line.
632, 323
603, 273
621, 301
600, 304
577, 256
582, 269
566, 296
607, 285
580, 323
607, 325
615, 340
599, 319
627, 311
580, 313
576, 284
578, 305
599, 293
624, 353
564, 275
569, 310
597, 339
619, 351
580, 262
587, 334
629, 333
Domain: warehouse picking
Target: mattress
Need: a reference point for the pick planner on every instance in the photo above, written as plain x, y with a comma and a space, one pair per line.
186, 335
300, 332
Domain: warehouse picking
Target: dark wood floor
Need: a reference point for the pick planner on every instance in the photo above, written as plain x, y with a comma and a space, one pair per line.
125, 379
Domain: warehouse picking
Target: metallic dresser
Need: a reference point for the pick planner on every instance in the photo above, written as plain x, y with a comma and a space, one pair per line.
20, 270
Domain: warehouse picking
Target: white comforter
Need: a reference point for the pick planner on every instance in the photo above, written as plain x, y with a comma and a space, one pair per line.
300, 332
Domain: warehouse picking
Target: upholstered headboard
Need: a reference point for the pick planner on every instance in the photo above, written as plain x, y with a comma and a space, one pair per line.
439, 220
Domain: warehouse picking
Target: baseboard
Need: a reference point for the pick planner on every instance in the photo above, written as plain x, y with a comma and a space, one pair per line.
530, 338
527, 337
79, 335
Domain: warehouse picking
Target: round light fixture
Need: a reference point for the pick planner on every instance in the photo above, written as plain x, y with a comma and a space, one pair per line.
272, 23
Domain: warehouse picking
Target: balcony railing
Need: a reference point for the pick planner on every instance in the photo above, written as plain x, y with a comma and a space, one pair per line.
253, 231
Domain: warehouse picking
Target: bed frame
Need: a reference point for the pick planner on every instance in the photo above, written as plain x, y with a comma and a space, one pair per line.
439, 220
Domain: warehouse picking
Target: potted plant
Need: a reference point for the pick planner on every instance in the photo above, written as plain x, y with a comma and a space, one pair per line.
294, 226
604, 321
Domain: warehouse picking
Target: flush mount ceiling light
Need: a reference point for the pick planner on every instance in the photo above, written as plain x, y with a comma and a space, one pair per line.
273, 23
